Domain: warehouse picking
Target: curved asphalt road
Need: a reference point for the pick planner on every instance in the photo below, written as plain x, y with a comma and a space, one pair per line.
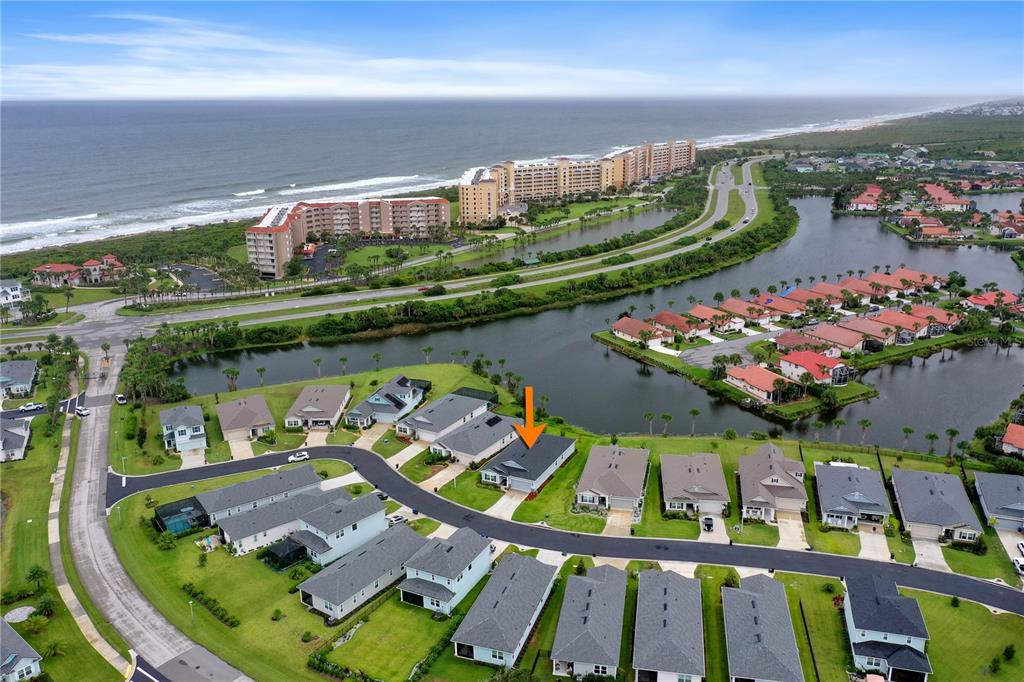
377, 471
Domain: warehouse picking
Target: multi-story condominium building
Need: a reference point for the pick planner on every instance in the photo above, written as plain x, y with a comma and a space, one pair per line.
272, 242
484, 192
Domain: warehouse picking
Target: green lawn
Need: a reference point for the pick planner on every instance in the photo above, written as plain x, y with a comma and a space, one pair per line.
577, 209
388, 444
341, 437
825, 633
536, 656
965, 639
833, 541
652, 524
901, 548
553, 504
424, 526
364, 254
260, 647
993, 564
60, 318
26, 492
58, 301
711, 580
466, 489
735, 209
239, 253
417, 470
737, 173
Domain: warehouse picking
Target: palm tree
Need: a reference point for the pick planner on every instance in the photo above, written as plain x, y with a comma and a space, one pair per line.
316, 362
38, 575
671, 304
465, 354
864, 425
427, 350
908, 431
232, 374
376, 359
931, 438
344, 364
952, 433
839, 424
665, 418
69, 294
649, 418
817, 425
694, 413
105, 347
260, 371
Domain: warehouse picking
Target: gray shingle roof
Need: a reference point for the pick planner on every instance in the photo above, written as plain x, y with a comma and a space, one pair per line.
442, 413
13, 646
503, 613
850, 490
311, 541
877, 605
17, 372
244, 413
615, 471
935, 499
896, 655
14, 433
449, 557
249, 491
479, 433
342, 512
385, 399
669, 630
284, 510
529, 463
1001, 494
354, 571
320, 401
590, 623
769, 460
182, 415
759, 631
426, 588
694, 478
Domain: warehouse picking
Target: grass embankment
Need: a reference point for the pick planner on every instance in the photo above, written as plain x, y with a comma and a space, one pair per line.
388, 445
818, 626
553, 504
61, 318
711, 580
467, 489
737, 173
579, 209
79, 296
26, 498
736, 208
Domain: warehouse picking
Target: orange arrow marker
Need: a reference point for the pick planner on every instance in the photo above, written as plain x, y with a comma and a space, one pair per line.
529, 433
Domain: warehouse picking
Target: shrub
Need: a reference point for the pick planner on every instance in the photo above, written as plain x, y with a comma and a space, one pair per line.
955, 602
130, 426
211, 605
995, 665
1009, 652
731, 581
277, 615
729, 434
356, 489
308, 636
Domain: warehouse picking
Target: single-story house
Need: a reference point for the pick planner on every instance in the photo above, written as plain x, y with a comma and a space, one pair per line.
781, 305
184, 429
614, 478
887, 631
849, 495
441, 417
756, 381
443, 571
939, 320
867, 200
990, 299
788, 341
57, 275
245, 419
870, 329
668, 321
759, 638
357, 577
771, 482
835, 292
812, 298
387, 404
719, 321
496, 627
750, 311
518, 467
1002, 498
16, 378
478, 439
247, 495
840, 337
588, 636
18, 660
862, 288
638, 331
693, 483
318, 407
825, 370
14, 435
1013, 439
935, 506
668, 636
894, 283
908, 327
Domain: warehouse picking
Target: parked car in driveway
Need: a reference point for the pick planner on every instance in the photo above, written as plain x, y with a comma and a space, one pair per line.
395, 519
1020, 547
1018, 564
707, 523
82, 411
299, 457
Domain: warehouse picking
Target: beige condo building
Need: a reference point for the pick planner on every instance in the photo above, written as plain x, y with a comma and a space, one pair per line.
484, 192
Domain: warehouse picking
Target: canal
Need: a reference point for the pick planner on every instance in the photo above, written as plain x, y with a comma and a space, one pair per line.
608, 393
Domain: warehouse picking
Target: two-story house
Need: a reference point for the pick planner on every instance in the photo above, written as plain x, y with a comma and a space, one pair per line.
443, 571
441, 417
887, 632
388, 404
12, 295
183, 428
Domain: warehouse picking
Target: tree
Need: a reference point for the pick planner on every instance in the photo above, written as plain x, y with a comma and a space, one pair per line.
232, 374
512, 675
839, 424
908, 431
105, 347
952, 434
817, 425
316, 362
665, 418
46, 604
260, 371
864, 425
53, 648
694, 413
38, 575
376, 359
931, 438
69, 294
649, 418
344, 365
427, 350
35, 623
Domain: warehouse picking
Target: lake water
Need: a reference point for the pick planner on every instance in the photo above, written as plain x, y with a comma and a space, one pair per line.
1001, 201
606, 392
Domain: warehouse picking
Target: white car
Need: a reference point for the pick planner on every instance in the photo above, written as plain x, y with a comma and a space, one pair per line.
29, 407
82, 411
299, 457
395, 519
1020, 547
120, 399
1018, 563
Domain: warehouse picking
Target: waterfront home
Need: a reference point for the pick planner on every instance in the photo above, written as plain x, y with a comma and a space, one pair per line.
849, 495
668, 321
14, 435
862, 288
443, 571
613, 478
18, 660
1012, 442
935, 506
908, 328
910, 219
759, 638
105, 269
867, 200
990, 299
637, 331
943, 200
477, 439
781, 305
693, 483
57, 275
588, 636
939, 320
357, 577
1002, 499
887, 631
940, 232
518, 467
919, 277
823, 369
668, 635
318, 407
719, 321
789, 341
835, 292
757, 382
496, 627
870, 330
12, 295
441, 417
248, 495
771, 483
900, 285
811, 299
749, 311
843, 339
388, 404
245, 419
16, 378
183, 428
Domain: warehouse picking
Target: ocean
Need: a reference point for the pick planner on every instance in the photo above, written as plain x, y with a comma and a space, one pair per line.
78, 171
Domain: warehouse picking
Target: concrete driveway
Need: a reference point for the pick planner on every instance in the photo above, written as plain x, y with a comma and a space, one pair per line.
240, 449
791, 530
443, 476
369, 436
506, 506
873, 544
718, 533
619, 522
1010, 538
407, 453
929, 555
316, 439
193, 458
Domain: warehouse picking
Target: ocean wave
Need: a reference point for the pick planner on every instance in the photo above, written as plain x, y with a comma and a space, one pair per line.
49, 222
250, 193
356, 184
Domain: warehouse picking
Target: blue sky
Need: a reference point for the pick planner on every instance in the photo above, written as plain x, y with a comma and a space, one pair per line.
154, 50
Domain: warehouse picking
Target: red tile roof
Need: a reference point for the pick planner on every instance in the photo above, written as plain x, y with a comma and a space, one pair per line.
918, 276
989, 298
940, 315
844, 338
829, 290
55, 268
941, 196
776, 302
858, 286
632, 327
667, 318
92, 262
894, 318
1014, 435
757, 376
744, 309
815, 363
804, 296
702, 312
797, 340
869, 326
